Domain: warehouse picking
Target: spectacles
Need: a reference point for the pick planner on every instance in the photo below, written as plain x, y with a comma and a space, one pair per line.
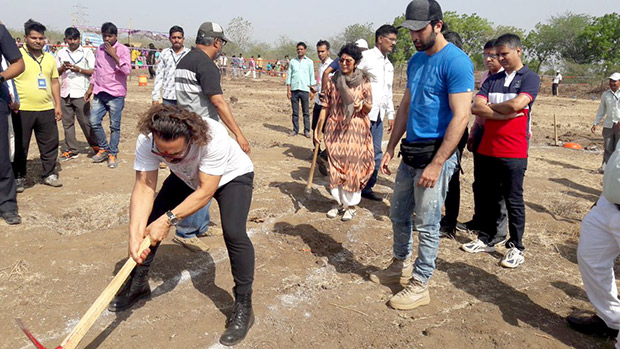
347, 61
172, 158
224, 42
489, 55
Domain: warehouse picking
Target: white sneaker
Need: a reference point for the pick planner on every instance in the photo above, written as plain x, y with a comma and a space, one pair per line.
334, 212
513, 258
348, 215
477, 246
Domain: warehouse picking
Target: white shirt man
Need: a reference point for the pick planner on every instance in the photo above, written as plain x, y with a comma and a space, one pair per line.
164, 79
609, 110
381, 73
75, 65
322, 68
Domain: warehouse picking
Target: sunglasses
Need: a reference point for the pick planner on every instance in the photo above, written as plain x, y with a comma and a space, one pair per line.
347, 61
489, 55
172, 158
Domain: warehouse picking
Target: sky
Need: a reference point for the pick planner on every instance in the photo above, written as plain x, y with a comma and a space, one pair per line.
298, 20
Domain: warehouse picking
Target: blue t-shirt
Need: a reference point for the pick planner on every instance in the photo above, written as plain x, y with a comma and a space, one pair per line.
430, 79
335, 65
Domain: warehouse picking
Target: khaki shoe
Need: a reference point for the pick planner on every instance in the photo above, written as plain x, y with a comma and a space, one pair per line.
213, 230
398, 272
414, 295
193, 244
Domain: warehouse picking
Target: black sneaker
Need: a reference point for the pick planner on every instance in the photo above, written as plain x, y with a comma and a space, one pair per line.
240, 321
447, 232
371, 196
11, 218
589, 323
19, 184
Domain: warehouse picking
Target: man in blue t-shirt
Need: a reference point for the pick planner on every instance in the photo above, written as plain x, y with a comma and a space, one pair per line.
434, 111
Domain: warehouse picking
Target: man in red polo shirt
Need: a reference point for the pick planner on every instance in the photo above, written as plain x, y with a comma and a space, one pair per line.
505, 101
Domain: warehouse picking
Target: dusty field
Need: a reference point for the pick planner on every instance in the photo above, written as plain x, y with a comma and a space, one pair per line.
311, 287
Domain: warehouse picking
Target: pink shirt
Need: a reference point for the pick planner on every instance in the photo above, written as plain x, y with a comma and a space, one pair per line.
109, 77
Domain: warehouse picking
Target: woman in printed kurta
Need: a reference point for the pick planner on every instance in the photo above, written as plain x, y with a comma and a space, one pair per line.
346, 103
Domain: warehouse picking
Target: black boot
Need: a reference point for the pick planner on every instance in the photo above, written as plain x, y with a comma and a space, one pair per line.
135, 288
240, 321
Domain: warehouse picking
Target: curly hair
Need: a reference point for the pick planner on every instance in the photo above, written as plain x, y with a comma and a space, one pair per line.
352, 50
170, 122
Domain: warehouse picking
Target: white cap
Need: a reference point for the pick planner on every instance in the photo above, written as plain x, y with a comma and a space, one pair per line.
361, 43
615, 76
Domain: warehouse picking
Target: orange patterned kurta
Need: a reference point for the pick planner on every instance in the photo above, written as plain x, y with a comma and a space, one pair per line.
350, 148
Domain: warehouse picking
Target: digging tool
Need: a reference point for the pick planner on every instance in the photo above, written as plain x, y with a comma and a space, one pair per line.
308, 189
78, 332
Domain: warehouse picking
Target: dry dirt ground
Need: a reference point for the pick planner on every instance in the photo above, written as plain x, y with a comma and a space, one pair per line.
311, 286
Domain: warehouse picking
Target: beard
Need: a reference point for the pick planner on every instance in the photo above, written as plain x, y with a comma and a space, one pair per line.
428, 43
218, 54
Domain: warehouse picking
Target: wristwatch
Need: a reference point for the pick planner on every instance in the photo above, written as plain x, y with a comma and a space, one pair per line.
172, 219
2, 79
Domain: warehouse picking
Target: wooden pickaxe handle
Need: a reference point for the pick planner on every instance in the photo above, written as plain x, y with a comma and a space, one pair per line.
78, 332
311, 177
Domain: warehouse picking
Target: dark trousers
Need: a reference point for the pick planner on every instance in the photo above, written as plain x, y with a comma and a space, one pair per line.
151, 72
453, 197
503, 180
234, 199
376, 130
554, 89
169, 101
502, 219
72, 109
45, 130
8, 196
296, 97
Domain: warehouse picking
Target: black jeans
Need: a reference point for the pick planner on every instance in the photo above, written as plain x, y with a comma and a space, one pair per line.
234, 199
453, 197
8, 196
45, 130
554, 89
503, 180
302, 96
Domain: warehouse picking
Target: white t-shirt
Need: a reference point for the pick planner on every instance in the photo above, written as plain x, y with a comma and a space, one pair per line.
557, 79
222, 156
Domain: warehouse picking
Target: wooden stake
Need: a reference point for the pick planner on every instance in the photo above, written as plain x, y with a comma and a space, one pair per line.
555, 130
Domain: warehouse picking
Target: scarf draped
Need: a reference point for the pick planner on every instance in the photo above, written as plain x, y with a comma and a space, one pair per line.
345, 84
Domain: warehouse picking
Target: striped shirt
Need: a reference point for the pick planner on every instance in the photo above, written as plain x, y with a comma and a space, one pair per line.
164, 79
508, 138
197, 78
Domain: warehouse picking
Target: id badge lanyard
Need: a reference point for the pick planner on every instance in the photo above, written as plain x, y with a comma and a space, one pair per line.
41, 82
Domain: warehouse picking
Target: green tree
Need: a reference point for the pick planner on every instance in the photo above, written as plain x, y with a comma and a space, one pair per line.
358, 31
602, 40
239, 31
473, 29
404, 48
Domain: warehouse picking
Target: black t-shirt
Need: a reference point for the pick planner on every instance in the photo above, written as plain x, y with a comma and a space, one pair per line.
196, 79
10, 51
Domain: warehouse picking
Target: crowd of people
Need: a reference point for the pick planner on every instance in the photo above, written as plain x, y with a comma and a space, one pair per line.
186, 130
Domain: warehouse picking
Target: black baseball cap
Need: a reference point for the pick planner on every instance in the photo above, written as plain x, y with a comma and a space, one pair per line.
210, 29
420, 13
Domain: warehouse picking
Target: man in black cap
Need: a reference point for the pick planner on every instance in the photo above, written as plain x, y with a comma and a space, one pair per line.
434, 111
198, 86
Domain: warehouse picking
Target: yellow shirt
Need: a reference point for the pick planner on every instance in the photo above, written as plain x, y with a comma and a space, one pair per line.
134, 55
31, 96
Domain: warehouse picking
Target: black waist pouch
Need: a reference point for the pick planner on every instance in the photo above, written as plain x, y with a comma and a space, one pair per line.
419, 154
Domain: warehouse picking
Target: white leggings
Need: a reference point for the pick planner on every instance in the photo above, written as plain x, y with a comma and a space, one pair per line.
599, 246
346, 198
